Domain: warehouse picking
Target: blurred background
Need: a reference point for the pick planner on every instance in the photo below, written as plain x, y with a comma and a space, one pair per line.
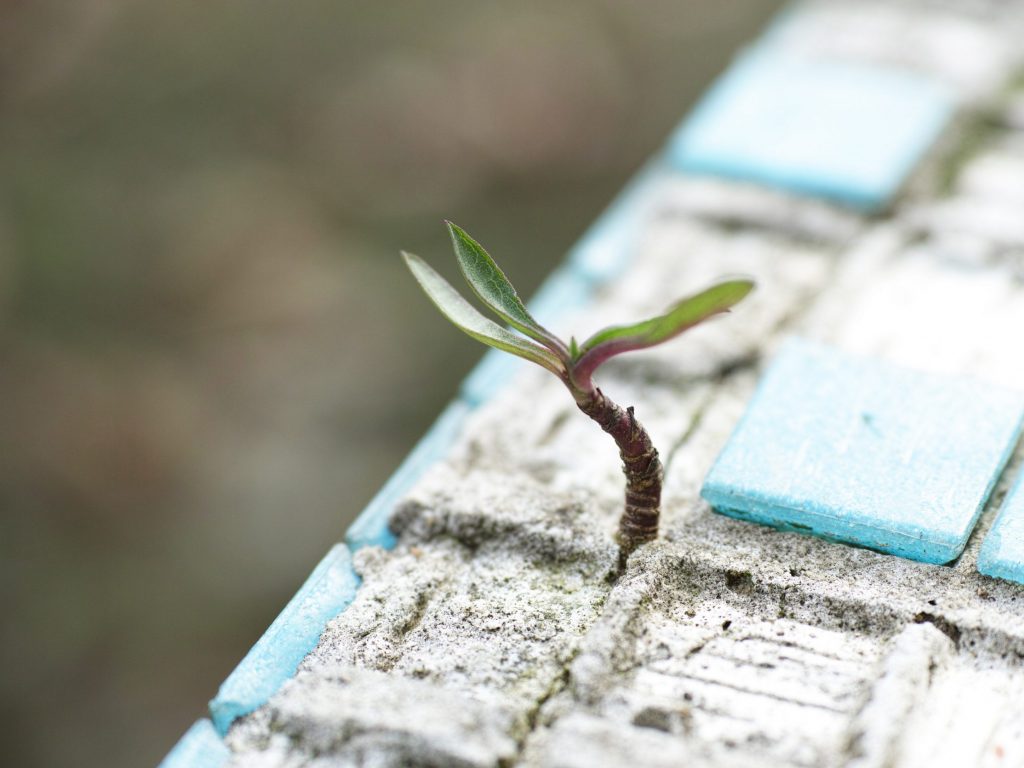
212, 355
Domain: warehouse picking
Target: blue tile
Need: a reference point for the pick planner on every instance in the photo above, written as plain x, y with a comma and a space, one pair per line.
494, 371
295, 632
840, 130
865, 452
371, 527
607, 248
200, 747
562, 293
1002, 554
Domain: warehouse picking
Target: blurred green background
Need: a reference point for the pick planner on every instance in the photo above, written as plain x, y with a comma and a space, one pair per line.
212, 355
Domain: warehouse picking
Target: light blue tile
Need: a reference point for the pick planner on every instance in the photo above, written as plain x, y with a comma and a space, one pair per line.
490, 375
840, 130
371, 527
865, 452
1002, 553
294, 633
200, 747
608, 246
562, 293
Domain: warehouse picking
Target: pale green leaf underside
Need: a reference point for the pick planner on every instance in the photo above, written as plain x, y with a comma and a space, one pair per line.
465, 317
683, 315
494, 289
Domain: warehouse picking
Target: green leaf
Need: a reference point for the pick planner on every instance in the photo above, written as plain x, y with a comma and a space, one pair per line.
681, 316
494, 289
465, 317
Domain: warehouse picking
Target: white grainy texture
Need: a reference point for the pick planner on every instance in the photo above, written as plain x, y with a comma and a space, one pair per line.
736, 204
493, 634
952, 318
582, 741
972, 56
903, 681
360, 717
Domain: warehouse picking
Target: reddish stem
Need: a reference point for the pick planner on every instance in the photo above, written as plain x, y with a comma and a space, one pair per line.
640, 465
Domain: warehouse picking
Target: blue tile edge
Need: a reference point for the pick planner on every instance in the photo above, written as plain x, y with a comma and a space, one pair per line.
807, 521
755, 508
606, 248
293, 634
200, 747
370, 529
991, 559
561, 294
935, 551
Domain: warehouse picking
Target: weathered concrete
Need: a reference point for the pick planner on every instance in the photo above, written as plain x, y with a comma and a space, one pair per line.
493, 635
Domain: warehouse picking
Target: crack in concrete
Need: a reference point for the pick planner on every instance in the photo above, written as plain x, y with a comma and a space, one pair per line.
408, 627
696, 419
533, 716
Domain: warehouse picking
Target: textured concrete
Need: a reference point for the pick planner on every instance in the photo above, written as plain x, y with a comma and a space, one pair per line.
371, 527
355, 714
493, 634
963, 50
724, 643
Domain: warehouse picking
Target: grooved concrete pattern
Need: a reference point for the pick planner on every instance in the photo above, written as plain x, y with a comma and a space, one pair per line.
491, 635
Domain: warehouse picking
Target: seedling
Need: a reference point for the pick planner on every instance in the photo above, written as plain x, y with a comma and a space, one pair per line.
574, 364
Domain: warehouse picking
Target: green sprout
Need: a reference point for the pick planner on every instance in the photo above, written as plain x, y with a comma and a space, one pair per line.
574, 364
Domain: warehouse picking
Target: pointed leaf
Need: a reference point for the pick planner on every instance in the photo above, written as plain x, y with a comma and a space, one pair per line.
494, 289
465, 317
683, 315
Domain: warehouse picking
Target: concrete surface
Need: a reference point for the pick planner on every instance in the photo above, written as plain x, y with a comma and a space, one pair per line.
493, 633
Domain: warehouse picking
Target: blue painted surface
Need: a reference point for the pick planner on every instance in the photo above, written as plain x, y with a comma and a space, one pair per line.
606, 249
294, 633
494, 371
865, 452
370, 529
200, 747
1002, 553
842, 131
562, 293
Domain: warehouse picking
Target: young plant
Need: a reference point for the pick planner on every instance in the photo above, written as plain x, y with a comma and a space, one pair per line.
574, 364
